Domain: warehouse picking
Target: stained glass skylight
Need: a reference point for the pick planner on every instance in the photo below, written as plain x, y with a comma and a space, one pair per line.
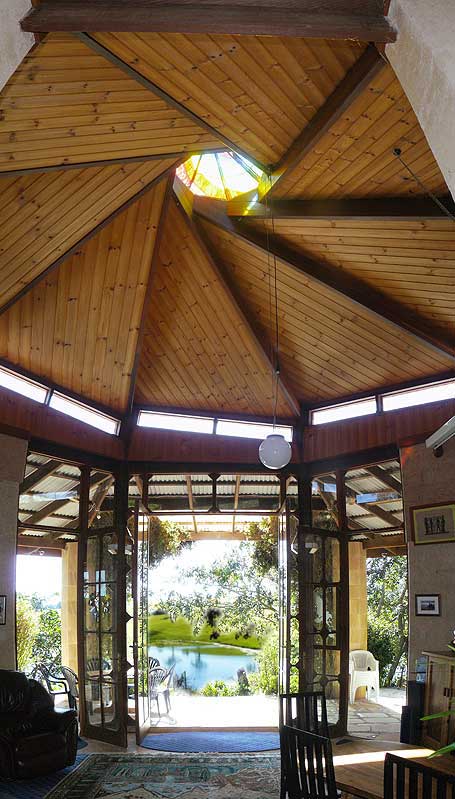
220, 175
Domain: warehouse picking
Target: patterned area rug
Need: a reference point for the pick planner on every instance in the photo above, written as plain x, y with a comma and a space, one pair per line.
37, 788
165, 776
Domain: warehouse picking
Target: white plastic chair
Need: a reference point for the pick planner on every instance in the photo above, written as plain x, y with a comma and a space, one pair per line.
364, 673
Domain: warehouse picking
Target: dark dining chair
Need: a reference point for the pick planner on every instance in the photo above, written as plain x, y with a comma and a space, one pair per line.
406, 779
308, 765
307, 711
73, 685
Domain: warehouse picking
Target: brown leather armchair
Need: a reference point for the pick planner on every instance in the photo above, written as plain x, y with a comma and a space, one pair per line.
35, 739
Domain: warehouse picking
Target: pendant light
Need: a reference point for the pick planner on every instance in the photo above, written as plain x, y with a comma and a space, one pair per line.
274, 452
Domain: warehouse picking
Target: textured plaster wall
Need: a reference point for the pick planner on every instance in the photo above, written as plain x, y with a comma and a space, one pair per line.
424, 60
427, 479
14, 43
13, 453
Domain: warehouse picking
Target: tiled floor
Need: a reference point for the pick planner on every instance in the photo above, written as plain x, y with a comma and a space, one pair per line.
367, 720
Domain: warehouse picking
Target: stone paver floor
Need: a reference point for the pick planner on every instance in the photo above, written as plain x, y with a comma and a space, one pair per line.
380, 721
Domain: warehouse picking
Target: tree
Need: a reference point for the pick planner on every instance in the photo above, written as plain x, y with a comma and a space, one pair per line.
244, 597
387, 587
26, 631
47, 647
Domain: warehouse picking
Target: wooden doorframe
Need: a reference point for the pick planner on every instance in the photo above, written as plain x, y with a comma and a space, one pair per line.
116, 737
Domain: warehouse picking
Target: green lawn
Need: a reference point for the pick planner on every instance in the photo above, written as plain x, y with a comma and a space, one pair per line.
163, 630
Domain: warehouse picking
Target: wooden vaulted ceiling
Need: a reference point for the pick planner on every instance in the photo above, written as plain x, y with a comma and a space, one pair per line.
117, 287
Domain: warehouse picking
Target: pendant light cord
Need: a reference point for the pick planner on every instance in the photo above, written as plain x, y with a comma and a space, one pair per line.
436, 200
274, 347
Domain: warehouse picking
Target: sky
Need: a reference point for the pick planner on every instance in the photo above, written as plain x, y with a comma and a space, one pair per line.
167, 576
38, 575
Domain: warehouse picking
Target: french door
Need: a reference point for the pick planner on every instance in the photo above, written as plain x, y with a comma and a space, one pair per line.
141, 560
314, 614
101, 609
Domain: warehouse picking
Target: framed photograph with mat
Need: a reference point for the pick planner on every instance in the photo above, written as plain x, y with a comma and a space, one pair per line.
433, 524
428, 604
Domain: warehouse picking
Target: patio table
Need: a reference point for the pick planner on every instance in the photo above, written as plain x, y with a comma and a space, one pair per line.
359, 765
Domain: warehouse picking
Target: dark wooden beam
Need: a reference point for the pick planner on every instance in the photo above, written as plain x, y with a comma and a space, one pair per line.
260, 346
356, 80
148, 292
337, 280
332, 19
394, 208
134, 159
89, 235
389, 518
385, 477
100, 49
99, 497
39, 474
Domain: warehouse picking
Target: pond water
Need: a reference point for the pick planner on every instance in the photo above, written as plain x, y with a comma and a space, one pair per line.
205, 663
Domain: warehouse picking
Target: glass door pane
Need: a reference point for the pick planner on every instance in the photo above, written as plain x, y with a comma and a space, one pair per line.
102, 642
141, 562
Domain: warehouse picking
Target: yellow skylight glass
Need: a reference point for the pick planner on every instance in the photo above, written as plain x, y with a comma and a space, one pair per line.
220, 175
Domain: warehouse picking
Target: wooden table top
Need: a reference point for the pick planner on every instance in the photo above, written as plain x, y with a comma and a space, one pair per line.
359, 765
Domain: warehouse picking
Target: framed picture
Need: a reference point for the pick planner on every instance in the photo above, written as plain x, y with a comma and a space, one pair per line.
428, 604
2, 609
433, 524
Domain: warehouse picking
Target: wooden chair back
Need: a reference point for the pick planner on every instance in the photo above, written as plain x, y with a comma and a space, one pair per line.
406, 779
308, 765
306, 710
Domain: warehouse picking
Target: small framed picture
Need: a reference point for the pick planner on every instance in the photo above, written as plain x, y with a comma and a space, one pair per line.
433, 524
2, 609
428, 604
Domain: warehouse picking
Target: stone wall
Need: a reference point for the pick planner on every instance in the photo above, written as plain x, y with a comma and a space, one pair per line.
426, 480
14, 43
13, 454
69, 606
424, 61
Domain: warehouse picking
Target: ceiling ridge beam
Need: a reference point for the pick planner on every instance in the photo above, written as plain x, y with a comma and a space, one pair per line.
261, 349
148, 292
340, 19
88, 236
333, 278
378, 209
355, 81
133, 159
100, 49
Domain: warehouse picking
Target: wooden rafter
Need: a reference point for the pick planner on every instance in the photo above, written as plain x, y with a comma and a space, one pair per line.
260, 347
88, 236
355, 81
334, 19
385, 477
55, 505
368, 208
40, 473
100, 49
336, 279
132, 159
99, 497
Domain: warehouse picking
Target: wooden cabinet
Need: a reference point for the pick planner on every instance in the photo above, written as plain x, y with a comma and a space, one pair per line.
439, 697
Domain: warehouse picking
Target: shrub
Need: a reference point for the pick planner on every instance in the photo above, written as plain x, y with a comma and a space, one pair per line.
220, 688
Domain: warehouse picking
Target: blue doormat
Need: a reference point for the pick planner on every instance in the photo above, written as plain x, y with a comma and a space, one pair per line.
212, 741
38, 787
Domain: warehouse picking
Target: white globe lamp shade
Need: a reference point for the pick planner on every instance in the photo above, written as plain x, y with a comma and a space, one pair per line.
275, 452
